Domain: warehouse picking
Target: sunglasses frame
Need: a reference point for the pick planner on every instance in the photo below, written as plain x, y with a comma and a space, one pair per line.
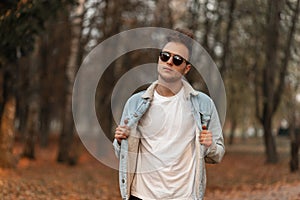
174, 58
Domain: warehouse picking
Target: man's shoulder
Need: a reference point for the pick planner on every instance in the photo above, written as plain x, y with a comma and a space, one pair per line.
203, 102
203, 97
137, 96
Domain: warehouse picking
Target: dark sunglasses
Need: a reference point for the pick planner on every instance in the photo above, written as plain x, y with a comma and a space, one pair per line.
177, 60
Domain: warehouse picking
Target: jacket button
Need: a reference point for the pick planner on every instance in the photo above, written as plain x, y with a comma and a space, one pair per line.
135, 115
122, 156
123, 180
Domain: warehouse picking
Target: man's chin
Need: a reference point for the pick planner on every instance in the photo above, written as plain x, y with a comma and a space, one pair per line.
169, 79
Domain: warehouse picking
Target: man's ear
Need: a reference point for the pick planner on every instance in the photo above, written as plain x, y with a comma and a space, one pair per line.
187, 68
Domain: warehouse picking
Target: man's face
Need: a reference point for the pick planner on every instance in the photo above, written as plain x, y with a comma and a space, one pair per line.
167, 70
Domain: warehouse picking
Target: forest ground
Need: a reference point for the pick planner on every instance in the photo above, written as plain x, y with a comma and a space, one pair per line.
242, 174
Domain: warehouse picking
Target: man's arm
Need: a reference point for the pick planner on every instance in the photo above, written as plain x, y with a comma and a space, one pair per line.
122, 131
216, 150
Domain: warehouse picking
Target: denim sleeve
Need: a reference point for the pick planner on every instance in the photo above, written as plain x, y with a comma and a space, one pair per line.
216, 151
125, 115
117, 148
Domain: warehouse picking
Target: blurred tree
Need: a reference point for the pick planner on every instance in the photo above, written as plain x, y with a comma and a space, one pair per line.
113, 24
67, 148
20, 23
55, 50
292, 108
237, 71
293, 117
7, 134
42, 93
228, 36
33, 100
163, 14
274, 70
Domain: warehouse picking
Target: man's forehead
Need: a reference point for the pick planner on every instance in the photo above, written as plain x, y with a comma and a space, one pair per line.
177, 48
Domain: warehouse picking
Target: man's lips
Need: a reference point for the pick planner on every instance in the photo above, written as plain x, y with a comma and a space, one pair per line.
167, 69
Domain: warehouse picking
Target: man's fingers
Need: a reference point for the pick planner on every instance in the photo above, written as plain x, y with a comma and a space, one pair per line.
205, 138
122, 130
120, 136
121, 133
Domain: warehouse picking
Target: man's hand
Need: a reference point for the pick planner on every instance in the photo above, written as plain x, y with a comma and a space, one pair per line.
122, 132
205, 137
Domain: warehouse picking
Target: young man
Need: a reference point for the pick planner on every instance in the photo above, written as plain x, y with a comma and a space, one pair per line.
168, 132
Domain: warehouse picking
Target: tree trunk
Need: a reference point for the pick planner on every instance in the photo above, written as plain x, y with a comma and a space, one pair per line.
7, 112
194, 10
7, 159
270, 145
50, 64
21, 96
232, 131
207, 28
294, 162
31, 130
294, 131
229, 27
163, 14
269, 75
32, 124
274, 72
66, 139
108, 79
45, 125
295, 144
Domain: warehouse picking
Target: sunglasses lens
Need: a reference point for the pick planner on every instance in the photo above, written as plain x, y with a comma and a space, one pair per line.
164, 56
177, 60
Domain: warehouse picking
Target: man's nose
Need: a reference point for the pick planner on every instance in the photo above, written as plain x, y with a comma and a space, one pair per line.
170, 61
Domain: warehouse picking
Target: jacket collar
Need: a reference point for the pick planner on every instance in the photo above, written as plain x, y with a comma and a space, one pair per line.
188, 90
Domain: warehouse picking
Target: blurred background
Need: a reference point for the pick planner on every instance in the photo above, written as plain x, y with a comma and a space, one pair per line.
255, 44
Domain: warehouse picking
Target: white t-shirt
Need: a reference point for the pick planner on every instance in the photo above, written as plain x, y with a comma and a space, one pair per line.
166, 159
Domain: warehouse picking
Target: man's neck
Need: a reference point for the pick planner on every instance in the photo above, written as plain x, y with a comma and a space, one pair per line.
168, 89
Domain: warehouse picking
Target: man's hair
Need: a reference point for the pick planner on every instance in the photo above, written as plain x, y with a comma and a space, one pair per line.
184, 37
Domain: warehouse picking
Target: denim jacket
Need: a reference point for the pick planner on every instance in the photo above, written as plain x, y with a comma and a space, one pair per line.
204, 113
